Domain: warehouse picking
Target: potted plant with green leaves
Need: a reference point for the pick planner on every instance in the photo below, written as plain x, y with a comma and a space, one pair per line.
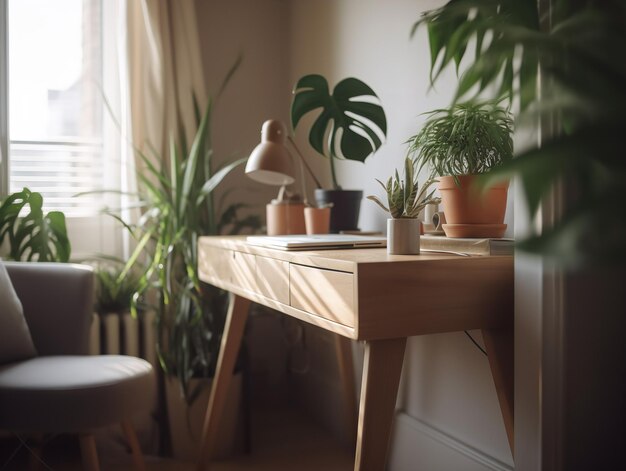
405, 201
350, 125
458, 144
32, 235
177, 199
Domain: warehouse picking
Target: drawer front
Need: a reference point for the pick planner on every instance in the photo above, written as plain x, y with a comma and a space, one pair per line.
228, 269
272, 278
243, 271
215, 265
325, 293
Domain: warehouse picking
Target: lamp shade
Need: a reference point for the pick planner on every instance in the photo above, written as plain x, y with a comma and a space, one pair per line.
270, 161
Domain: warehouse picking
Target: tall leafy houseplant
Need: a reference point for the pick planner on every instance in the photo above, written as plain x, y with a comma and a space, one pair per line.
31, 234
579, 53
179, 207
350, 124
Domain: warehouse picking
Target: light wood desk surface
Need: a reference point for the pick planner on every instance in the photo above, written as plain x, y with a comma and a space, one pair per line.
364, 294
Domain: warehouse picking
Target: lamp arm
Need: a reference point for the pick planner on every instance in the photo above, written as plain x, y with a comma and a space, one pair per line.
303, 160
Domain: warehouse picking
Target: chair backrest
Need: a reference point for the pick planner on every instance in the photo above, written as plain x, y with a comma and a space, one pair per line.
58, 303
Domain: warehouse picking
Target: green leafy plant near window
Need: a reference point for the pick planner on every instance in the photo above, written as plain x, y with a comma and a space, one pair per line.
178, 207
467, 139
31, 234
404, 198
577, 47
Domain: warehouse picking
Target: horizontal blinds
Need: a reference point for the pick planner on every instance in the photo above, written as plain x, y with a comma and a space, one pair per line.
59, 169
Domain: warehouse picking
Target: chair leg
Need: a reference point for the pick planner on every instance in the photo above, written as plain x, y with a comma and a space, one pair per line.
89, 453
131, 438
34, 459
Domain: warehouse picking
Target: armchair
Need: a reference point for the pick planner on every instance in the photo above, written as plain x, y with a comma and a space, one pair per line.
62, 389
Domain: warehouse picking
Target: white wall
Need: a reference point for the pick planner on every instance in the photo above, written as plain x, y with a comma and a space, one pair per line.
258, 91
449, 417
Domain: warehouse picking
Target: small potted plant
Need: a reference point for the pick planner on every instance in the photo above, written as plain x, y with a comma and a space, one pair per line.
458, 144
350, 125
404, 202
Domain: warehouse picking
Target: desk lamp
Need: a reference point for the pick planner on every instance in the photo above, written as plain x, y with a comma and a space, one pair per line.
271, 163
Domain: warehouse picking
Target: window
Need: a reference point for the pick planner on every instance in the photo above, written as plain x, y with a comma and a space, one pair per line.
58, 60
55, 114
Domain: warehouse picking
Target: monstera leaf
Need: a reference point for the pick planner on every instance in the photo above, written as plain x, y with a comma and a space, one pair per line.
354, 125
34, 236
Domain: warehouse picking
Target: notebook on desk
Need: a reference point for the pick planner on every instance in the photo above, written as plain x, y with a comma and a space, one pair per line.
318, 242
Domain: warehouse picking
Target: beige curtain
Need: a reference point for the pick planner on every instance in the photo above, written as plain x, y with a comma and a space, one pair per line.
163, 71
160, 70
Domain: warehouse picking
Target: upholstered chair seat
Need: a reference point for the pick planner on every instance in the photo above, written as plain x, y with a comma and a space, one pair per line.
48, 382
73, 393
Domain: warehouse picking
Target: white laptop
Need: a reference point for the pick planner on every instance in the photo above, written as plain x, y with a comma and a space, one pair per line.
318, 242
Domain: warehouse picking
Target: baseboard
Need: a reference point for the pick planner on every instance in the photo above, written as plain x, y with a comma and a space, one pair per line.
419, 446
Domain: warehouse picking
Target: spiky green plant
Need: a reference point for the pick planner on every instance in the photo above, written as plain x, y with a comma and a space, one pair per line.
178, 207
467, 139
404, 198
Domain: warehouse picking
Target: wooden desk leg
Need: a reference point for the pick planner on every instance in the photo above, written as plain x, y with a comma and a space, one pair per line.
499, 344
381, 376
231, 341
343, 349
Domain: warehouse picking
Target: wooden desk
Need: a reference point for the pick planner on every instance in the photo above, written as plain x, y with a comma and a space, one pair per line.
364, 294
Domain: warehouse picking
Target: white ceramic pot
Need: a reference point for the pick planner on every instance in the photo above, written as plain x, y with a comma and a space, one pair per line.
403, 236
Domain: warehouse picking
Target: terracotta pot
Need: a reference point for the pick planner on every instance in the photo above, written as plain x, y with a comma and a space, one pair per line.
465, 206
285, 218
317, 220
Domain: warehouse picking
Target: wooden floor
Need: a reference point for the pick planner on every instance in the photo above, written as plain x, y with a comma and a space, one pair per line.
281, 440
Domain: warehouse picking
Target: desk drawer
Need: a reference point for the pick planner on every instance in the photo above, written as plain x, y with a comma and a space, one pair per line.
272, 278
215, 265
243, 271
228, 268
325, 293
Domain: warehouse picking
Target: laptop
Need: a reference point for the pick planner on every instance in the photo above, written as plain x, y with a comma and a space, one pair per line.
318, 241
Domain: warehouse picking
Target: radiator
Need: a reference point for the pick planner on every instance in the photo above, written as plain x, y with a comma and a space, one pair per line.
121, 334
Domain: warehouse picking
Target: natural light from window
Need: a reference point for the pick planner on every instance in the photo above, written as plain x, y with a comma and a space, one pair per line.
55, 114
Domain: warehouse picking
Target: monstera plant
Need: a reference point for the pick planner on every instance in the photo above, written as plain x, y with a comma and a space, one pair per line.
349, 125
32, 235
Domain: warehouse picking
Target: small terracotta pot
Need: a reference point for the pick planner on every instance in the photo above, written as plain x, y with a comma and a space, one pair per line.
465, 205
317, 220
285, 218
